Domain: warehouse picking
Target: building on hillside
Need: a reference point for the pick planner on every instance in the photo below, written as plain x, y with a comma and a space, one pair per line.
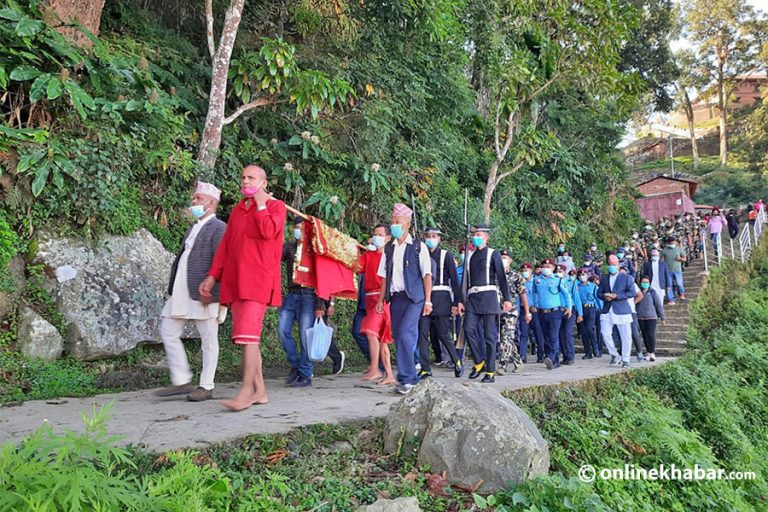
750, 89
665, 196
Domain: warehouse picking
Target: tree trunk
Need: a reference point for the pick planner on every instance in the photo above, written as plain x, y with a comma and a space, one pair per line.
722, 102
490, 187
691, 129
63, 14
211, 139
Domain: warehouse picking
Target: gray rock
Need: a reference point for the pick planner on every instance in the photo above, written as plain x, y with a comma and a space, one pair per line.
110, 292
410, 504
469, 431
13, 289
38, 338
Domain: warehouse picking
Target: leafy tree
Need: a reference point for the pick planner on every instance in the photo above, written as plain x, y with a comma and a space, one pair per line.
691, 78
729, 35
538, 48
269, 72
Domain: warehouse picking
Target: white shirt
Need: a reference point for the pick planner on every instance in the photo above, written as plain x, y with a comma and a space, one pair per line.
398, 279
180, 304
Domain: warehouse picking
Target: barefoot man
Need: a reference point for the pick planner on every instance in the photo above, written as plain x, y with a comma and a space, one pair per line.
247, 266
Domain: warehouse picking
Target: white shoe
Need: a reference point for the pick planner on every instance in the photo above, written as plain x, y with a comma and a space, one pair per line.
404, 389
418, 367
651, 356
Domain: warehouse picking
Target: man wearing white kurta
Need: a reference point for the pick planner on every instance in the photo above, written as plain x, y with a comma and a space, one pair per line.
189, 269
615, 290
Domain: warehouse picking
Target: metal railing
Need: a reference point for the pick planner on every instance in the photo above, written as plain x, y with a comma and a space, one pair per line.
747, 240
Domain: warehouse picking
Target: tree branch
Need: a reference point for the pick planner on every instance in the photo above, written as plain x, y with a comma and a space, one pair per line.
209, 27
496, 128
508, 173
258, 102
511, 123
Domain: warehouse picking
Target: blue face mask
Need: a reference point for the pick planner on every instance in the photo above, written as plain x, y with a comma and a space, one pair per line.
396, 230
297, 234
431, 243
613, 269
378, 241
645, 286
546, 272
477, 241
461, 259
620, 255
526, 275
197, 210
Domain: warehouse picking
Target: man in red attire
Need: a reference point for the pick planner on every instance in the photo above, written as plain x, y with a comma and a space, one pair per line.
247, 266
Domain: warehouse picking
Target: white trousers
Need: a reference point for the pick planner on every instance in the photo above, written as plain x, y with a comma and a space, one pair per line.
625, 333
171, 330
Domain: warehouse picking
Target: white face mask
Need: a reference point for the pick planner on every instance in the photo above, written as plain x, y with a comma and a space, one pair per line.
378, 241
655, 258
583, 279
559, 274
587, 263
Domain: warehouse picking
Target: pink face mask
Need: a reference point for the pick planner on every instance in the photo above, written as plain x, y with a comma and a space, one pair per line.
250, 191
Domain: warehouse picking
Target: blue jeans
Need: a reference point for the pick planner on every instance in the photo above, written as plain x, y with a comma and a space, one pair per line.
296, 308
550, 326
677, 278
405, 330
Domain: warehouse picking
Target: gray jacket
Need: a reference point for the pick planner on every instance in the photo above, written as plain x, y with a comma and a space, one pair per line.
200, 258
651, 307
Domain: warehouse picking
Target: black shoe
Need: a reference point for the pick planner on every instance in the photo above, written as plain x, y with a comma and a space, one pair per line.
489, 378
568, 362
338, 365
538, 360
292, 376
458, 371
424, 375
548, 363
587, 356
476, 373
524, 360
302, 382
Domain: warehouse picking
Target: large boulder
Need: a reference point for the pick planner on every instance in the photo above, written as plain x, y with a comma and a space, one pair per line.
110, 292
469, 431
38, 338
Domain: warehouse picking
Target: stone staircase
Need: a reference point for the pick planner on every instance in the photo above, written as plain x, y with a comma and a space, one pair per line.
671, 338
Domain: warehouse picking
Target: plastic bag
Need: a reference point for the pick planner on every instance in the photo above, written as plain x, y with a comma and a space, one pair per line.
318, 340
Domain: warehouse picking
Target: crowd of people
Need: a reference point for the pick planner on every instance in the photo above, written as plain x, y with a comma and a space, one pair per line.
436, 307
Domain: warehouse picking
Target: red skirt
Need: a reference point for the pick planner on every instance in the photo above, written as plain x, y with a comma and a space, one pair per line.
374, 323
247, 321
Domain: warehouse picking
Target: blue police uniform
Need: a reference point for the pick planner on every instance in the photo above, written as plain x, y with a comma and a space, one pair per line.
551, 299
523, 327
590, 304
567, 325
483, 280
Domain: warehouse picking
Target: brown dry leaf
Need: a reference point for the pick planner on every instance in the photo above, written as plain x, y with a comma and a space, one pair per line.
410, 477
276, 456
437, 482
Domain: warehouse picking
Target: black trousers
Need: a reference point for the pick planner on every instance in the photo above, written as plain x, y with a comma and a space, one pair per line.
482, 349
648, 328
440, 326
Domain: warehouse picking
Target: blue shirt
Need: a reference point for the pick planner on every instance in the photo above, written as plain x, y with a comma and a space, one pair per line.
550, 292
588, 294
575, 296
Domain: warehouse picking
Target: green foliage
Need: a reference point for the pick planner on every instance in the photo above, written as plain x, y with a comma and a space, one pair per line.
87, 471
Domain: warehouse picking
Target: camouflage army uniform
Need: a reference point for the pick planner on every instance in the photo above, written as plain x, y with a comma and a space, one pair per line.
509, 333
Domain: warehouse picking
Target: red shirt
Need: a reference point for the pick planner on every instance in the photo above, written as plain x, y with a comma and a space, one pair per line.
247, 262
369, 262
